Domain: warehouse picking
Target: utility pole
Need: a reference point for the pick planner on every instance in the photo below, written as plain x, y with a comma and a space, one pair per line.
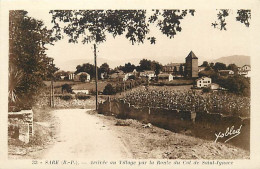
52, 90
96, 79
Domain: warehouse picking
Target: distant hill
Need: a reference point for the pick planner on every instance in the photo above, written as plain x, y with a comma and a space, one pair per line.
239, 60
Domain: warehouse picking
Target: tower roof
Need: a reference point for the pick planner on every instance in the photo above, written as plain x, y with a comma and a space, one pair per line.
192, 55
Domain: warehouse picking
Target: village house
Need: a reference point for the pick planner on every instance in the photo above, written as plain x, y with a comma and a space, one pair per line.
71, 75
203, 82
214, 86
245, 71
148, 73
165, 77
77, 76
226, 72
79, 89
201, 68
172, 67
119, 76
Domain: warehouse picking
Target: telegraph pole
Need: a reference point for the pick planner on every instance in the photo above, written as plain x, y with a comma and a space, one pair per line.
96, 81
52, 90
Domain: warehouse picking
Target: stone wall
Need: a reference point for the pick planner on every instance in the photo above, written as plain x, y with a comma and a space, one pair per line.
20, 125
60, 103
199, 124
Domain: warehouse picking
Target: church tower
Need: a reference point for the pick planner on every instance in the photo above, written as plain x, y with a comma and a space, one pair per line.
191, 70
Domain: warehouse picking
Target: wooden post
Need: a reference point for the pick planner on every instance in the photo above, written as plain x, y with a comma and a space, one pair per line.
96, 80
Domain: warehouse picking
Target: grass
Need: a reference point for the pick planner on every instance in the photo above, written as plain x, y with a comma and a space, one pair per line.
60, 83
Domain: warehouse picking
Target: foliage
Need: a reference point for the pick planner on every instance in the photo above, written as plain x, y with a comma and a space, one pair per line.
243, 16
232, 67
206, 90
220, 66
127, 68
205, 64
66, 97
86, 67
104, 68
82, 96
28, 63
237, 84
66, 88
83, 77
146, 64
109, 90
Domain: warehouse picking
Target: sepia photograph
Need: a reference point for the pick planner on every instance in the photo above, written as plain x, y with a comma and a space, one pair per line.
90, 85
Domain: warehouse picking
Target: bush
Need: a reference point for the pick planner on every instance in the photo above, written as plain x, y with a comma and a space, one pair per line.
66, 88
109, 90
237, 84
206, 90
82, 96
66, 97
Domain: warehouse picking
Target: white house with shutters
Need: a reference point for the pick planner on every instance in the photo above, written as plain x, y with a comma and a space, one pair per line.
203, 82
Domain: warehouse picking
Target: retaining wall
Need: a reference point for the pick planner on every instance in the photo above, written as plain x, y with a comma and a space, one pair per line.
199, 124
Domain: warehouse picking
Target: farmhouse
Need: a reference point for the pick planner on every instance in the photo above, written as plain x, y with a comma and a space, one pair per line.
71, 75
173, 67
78, 76
79, 89
165, 77
119, 76
201, 68
226, 72
148, 73
214, 86
245, 70
203, 82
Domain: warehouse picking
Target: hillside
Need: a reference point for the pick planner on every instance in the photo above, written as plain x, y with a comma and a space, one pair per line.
239, 60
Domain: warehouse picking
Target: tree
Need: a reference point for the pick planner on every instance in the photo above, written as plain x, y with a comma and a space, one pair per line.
145, 65
220, 66
109, 90
205, 64
104, 68
128, 67
86, 67
181, 71
175, 72
28, 62
237, 84
243, 16
232, 67
67, 88
156, 67
83, 77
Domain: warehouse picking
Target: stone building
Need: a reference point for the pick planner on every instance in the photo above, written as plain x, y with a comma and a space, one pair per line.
191, 66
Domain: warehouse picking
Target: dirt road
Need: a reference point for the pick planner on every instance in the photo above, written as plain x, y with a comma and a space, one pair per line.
81, 135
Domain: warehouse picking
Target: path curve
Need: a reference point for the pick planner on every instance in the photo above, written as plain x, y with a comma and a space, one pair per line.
84, 136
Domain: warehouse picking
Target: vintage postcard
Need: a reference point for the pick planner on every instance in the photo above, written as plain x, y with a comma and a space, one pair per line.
129, 84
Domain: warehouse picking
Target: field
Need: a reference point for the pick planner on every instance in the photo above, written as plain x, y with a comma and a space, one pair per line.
60, 83
184, 99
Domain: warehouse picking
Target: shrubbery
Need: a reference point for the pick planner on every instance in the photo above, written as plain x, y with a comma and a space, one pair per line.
67, 88
82, 96
206, 90
236, 84
66, 97
109, 90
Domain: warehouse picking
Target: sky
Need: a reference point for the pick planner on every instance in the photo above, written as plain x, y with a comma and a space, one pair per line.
197, 35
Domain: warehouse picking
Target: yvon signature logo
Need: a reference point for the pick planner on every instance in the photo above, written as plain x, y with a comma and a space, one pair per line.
229, 132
